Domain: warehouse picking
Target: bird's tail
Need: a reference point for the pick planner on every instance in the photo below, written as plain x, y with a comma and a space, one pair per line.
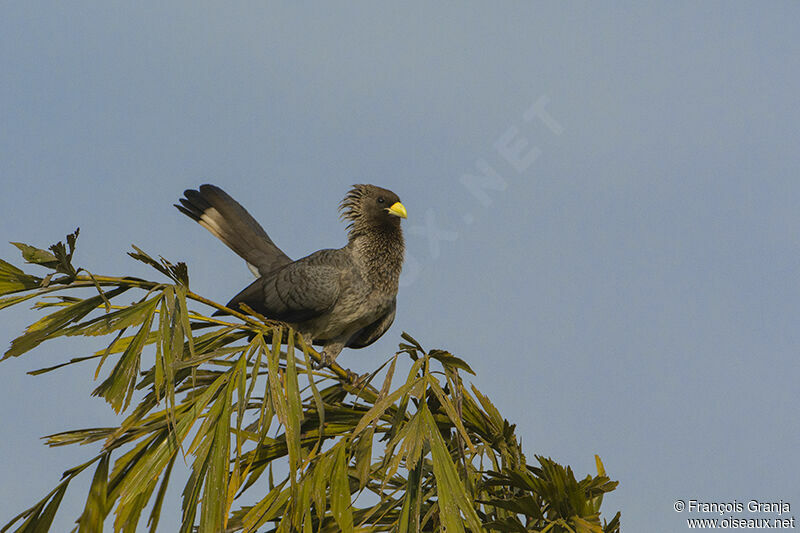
227, 220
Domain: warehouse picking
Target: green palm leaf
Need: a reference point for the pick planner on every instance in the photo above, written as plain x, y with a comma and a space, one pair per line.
196, 390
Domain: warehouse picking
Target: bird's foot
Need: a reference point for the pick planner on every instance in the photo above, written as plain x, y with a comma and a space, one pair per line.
329, 353
325, 362
352, 377
356, 380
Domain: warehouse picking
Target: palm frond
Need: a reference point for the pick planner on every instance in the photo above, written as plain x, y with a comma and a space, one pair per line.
233, 398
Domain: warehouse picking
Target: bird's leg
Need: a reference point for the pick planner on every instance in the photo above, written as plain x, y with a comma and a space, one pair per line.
308, 340
329, 353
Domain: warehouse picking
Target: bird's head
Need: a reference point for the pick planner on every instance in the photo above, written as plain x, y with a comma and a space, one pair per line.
368, 206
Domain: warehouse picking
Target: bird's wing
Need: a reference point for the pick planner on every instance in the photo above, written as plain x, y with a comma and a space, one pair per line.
297, 292
369, 334
227, 220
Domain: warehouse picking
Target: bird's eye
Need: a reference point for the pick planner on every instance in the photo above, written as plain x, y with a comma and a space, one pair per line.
381, 200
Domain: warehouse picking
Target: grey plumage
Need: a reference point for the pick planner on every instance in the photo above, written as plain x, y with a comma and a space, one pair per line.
336, 298
220, 214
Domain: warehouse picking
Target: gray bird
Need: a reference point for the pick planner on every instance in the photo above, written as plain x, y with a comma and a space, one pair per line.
335, 298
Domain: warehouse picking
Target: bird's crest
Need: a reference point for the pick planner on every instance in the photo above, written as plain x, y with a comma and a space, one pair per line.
350, 208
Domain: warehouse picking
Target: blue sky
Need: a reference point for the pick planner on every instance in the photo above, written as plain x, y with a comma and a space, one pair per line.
626, 284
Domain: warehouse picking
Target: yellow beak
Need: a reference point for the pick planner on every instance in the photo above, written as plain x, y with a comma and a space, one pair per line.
398, 210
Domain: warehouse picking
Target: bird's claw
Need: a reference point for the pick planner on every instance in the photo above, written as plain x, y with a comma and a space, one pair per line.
356, 380
325, 362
